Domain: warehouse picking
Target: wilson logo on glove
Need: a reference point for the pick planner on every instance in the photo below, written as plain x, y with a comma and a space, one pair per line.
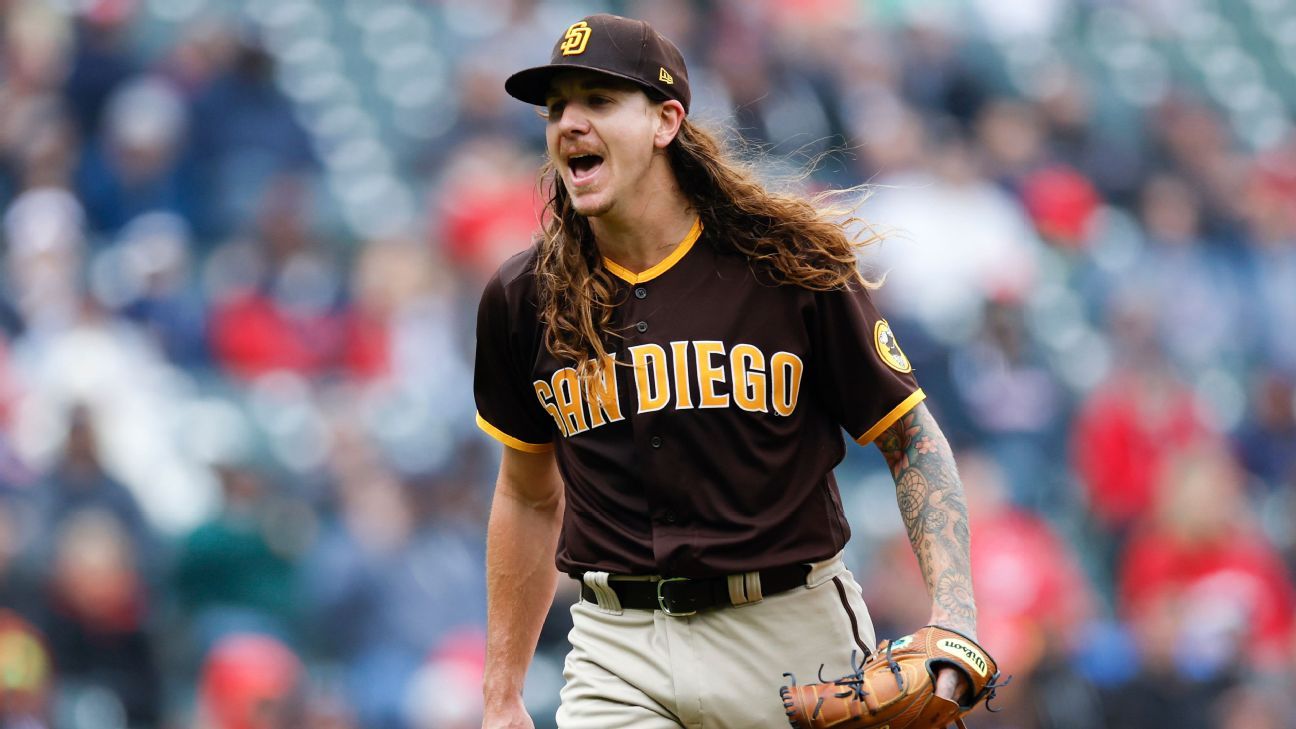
972, 655
896, 687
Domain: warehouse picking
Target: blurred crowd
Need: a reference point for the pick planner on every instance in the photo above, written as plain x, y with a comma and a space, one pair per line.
240, 483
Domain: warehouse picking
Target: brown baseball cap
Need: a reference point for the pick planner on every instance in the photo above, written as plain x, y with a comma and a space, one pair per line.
610, 44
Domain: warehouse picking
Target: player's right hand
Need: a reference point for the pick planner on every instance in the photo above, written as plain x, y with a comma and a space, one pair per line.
507, 714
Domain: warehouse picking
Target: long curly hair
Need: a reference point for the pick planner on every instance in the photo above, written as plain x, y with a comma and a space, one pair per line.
798, 241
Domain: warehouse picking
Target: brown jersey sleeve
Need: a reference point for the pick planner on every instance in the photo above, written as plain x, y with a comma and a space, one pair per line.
865, 379
507, 407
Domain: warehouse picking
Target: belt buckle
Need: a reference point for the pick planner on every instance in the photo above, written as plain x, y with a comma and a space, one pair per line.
661, 599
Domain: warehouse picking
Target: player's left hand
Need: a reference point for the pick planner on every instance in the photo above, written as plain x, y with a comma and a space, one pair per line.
934, 661
951, 684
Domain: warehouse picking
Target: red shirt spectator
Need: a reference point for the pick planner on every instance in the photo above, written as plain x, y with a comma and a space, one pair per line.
1202, 550
1123, 436
251, 336
1029, 585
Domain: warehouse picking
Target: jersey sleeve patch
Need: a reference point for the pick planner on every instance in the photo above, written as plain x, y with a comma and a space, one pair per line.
509, 440
899, 411
889, 349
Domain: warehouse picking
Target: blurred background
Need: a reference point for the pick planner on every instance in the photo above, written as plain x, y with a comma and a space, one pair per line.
243, 243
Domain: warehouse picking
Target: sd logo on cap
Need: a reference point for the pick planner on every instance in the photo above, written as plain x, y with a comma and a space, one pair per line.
617, 46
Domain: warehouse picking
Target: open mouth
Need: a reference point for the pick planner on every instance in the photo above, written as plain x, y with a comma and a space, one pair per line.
584, 166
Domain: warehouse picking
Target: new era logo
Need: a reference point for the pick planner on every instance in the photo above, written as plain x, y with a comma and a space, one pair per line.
664, 75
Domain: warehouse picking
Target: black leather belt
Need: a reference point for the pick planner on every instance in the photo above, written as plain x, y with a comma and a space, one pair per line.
685, 596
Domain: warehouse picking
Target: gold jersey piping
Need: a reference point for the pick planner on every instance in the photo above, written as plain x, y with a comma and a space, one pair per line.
510, 441
680, 251
909, 403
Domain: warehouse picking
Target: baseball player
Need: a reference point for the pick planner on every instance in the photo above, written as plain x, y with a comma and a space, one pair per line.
670, 368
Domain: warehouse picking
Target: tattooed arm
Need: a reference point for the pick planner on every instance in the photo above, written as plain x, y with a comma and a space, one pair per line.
931, 503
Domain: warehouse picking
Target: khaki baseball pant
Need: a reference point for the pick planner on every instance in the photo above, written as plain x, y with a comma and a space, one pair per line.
718, 669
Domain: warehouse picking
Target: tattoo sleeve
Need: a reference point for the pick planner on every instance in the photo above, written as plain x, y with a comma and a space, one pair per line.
931, 503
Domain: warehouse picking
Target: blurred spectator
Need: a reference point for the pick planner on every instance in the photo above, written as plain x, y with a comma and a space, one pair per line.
891, 138
244, 137
485, 110
238, 570
1062, 204
26, 674
1202, 559
1166, 690
1014, 400
405, 324
328, 711
388, 582
491, 205
446, 691
1033, 599
34, 58
45, 242
936, 77
1271, 225
250, 681
943, 267
96, 620
79, 483
1266, 444
46, 148
17, 585
1012, 141
1112, 155
1205, 328
106, 362
1255, 707
38, 42
203, 50
1130, 427
389, 281
147, 277
782, 102
104, 58
135, 165
1195, 145
278, 303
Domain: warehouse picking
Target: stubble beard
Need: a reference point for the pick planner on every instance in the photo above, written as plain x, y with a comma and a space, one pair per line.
590, 208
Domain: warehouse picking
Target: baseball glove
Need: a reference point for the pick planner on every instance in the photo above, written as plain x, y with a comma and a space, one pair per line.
896, 687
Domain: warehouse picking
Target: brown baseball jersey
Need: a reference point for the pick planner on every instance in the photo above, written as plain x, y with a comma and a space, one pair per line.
705, 445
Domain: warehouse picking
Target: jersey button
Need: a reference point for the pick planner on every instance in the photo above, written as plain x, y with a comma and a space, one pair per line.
641, 293
642, 326
655, 442
669, 517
